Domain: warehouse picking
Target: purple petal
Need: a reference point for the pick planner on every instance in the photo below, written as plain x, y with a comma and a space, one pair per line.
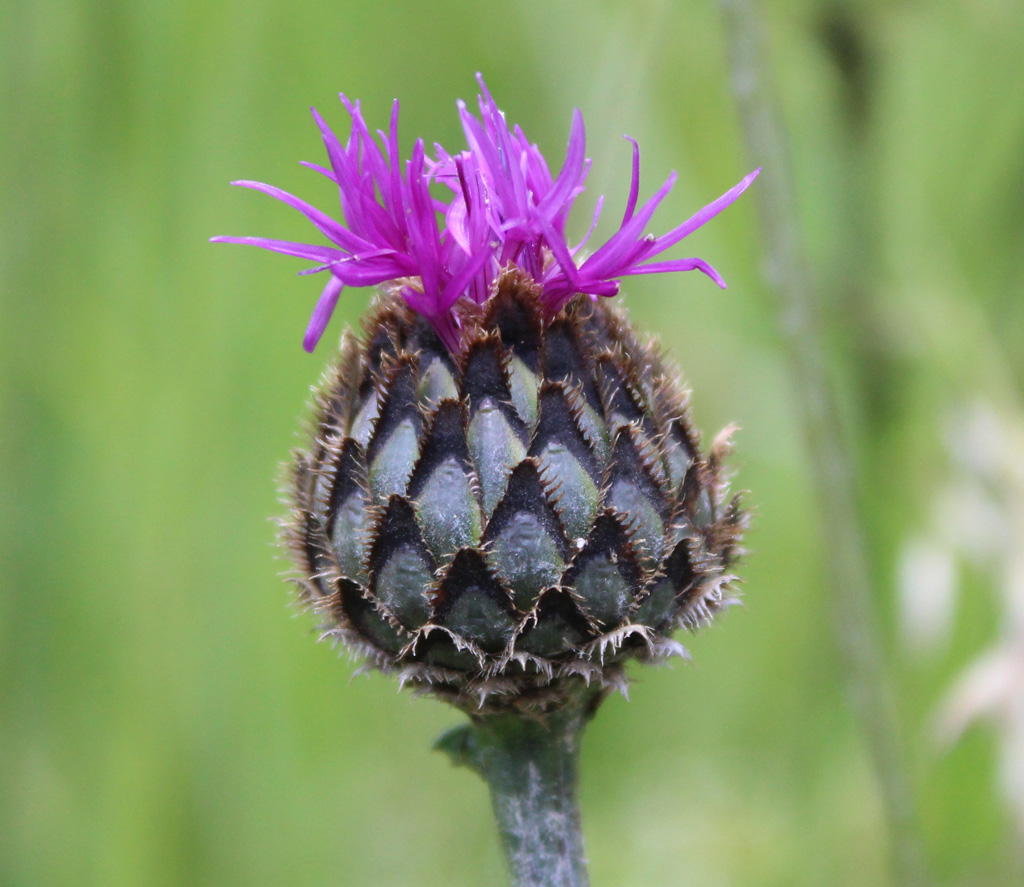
634, 182
706, 214
322, 254
460, 281
328, 226
622, 247
560, 251
569, 177
316, 167
322, 314
677, 265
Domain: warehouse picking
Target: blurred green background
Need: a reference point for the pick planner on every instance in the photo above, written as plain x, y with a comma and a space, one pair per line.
166, 719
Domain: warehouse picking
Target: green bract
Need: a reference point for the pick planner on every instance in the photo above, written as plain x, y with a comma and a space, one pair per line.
493, 523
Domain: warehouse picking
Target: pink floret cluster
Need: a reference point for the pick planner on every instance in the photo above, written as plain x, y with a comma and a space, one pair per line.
503, 209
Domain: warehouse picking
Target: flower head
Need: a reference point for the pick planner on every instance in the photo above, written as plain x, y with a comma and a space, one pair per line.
504, 498
504, 209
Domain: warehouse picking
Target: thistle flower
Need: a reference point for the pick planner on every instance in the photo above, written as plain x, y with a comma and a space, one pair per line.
504, 498
504, 492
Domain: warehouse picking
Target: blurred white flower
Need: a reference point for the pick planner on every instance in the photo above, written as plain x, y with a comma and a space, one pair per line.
927, 583
978, 517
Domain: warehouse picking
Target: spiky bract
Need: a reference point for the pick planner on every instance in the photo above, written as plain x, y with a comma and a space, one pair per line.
492, 523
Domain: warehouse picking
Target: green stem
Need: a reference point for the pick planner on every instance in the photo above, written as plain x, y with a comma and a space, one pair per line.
788, 274
531, 764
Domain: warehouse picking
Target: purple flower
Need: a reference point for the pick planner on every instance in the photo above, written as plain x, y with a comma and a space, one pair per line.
504, 208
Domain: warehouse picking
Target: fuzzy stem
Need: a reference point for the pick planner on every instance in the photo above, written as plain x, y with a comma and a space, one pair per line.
789, 276
531, 764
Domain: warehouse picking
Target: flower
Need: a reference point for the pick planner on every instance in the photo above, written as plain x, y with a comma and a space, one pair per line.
504, 496
504, 210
